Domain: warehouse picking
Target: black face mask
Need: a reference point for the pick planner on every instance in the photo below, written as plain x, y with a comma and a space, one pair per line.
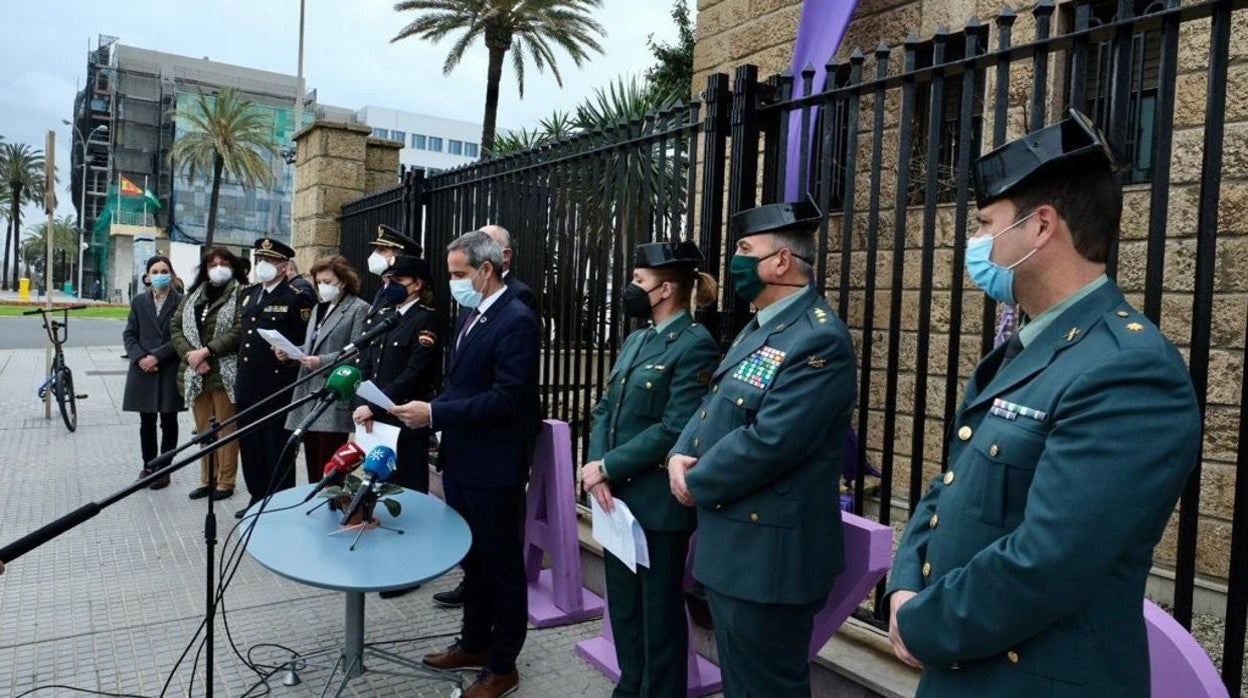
637, 301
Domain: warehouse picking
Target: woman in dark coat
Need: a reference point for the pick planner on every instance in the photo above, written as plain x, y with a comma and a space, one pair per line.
152, 381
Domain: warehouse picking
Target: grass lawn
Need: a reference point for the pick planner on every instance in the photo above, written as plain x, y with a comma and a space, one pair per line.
114, 312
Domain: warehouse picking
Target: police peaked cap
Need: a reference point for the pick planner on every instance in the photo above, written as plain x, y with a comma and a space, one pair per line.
409, 265
801, 217
672, 255
1075, 140
269, 247
389, 237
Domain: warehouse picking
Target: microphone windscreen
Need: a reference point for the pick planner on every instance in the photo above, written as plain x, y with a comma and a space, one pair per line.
380, 462
345, 459
343, 382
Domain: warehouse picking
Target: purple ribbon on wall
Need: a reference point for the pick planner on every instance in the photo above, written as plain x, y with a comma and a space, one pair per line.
819, 34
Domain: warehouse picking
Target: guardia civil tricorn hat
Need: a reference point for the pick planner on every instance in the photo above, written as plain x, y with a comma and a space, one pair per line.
800, 217
670, 255
1075, 141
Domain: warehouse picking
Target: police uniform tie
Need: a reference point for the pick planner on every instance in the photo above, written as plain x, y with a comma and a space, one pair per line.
1013, 348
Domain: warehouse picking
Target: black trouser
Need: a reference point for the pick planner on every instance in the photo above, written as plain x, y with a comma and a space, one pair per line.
412, 462
147, 433
648, 624
259, 451
763, 648
496, 598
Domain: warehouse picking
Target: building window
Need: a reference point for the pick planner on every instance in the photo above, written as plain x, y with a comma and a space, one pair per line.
471, 150
951, 125
381, 133
435, 144
418, 141
455, 147
1097, 79
399, 136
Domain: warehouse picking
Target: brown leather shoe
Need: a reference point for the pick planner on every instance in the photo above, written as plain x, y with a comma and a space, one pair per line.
455, 658
491, 685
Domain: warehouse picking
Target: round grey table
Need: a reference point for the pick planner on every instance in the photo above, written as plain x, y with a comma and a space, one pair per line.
302, 544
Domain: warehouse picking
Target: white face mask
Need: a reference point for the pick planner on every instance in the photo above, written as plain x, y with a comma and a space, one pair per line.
265, 272
328, 292
377, 263
219, 276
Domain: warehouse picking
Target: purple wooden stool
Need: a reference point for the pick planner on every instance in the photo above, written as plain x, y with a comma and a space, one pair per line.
556, 595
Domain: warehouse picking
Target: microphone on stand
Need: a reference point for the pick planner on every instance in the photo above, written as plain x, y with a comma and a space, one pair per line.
379, 465
384, 325
341, 385
345, 459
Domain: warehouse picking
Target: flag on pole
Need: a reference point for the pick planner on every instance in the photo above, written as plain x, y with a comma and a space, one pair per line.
129, 188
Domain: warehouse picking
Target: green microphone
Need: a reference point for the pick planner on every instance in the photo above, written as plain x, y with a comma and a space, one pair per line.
341, 385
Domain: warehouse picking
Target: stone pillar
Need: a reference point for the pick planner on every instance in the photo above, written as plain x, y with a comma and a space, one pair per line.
329, 172
381, 164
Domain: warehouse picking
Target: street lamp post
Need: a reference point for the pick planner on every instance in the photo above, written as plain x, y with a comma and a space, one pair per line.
82, 208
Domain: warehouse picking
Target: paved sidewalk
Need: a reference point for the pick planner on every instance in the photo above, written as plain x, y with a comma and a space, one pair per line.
111, 605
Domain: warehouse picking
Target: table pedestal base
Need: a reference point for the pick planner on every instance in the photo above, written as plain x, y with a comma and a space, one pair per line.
350, 658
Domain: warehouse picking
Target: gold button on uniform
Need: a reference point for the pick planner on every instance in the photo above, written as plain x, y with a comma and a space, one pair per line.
965, 433
703, 414
1012, 656
949, 478
740, 401
649, 385
696, 441
753, 517
1123, 313
934, 521
993, 451
715, 388
927, 569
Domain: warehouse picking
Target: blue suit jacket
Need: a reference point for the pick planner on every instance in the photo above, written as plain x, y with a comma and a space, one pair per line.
489, 411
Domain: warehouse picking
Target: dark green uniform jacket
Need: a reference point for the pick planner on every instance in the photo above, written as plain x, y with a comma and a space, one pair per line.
656, 383
768, 439
1031, 552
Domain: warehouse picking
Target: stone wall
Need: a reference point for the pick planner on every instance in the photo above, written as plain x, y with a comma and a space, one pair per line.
731, 32
336, 163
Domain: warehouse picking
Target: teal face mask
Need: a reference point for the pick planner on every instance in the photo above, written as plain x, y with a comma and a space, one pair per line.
745, 279
993, 279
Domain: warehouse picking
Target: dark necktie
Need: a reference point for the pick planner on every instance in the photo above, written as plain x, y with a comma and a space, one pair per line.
1013, 348
472, 317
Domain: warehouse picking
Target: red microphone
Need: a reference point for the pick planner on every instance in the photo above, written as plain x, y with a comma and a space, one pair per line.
347, 458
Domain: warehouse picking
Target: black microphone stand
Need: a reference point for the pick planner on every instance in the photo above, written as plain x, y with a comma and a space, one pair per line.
210, 441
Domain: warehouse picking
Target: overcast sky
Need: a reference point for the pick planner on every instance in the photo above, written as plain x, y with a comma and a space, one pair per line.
348, 57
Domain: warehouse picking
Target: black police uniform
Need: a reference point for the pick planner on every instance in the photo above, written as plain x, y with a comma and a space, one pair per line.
405, 363
260, 373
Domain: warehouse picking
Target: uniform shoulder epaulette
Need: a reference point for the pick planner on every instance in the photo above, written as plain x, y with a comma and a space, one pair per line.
819, 315
249, 287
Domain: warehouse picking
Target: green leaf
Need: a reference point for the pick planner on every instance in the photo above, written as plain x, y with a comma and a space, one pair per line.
331, 493
389, 489
354, 482
393, 507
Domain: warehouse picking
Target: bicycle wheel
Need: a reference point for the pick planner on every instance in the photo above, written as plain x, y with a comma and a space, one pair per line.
65, 398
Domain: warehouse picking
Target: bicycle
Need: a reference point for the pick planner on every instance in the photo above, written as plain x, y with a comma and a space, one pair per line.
61, 379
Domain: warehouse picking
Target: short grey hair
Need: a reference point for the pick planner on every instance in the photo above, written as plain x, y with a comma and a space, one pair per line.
500, 235
480, 248
802, 247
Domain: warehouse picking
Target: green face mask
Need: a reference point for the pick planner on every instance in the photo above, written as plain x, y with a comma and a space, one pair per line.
745, 279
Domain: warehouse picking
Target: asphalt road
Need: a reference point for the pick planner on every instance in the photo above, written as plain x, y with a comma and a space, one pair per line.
28, 333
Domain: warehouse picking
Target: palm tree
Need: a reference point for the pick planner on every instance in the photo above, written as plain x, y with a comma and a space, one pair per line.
228, 136
531, 27
64, 239
21, 173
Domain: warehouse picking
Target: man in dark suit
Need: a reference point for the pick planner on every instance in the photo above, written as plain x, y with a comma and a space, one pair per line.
488, 414
454, 598
502, 238
271, 304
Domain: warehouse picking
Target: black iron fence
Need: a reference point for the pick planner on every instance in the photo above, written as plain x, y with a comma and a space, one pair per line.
884, 144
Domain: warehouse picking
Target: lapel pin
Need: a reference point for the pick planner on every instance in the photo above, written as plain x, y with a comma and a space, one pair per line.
1074, 332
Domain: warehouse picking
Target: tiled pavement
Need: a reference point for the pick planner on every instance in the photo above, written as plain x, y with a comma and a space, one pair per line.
111, 605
